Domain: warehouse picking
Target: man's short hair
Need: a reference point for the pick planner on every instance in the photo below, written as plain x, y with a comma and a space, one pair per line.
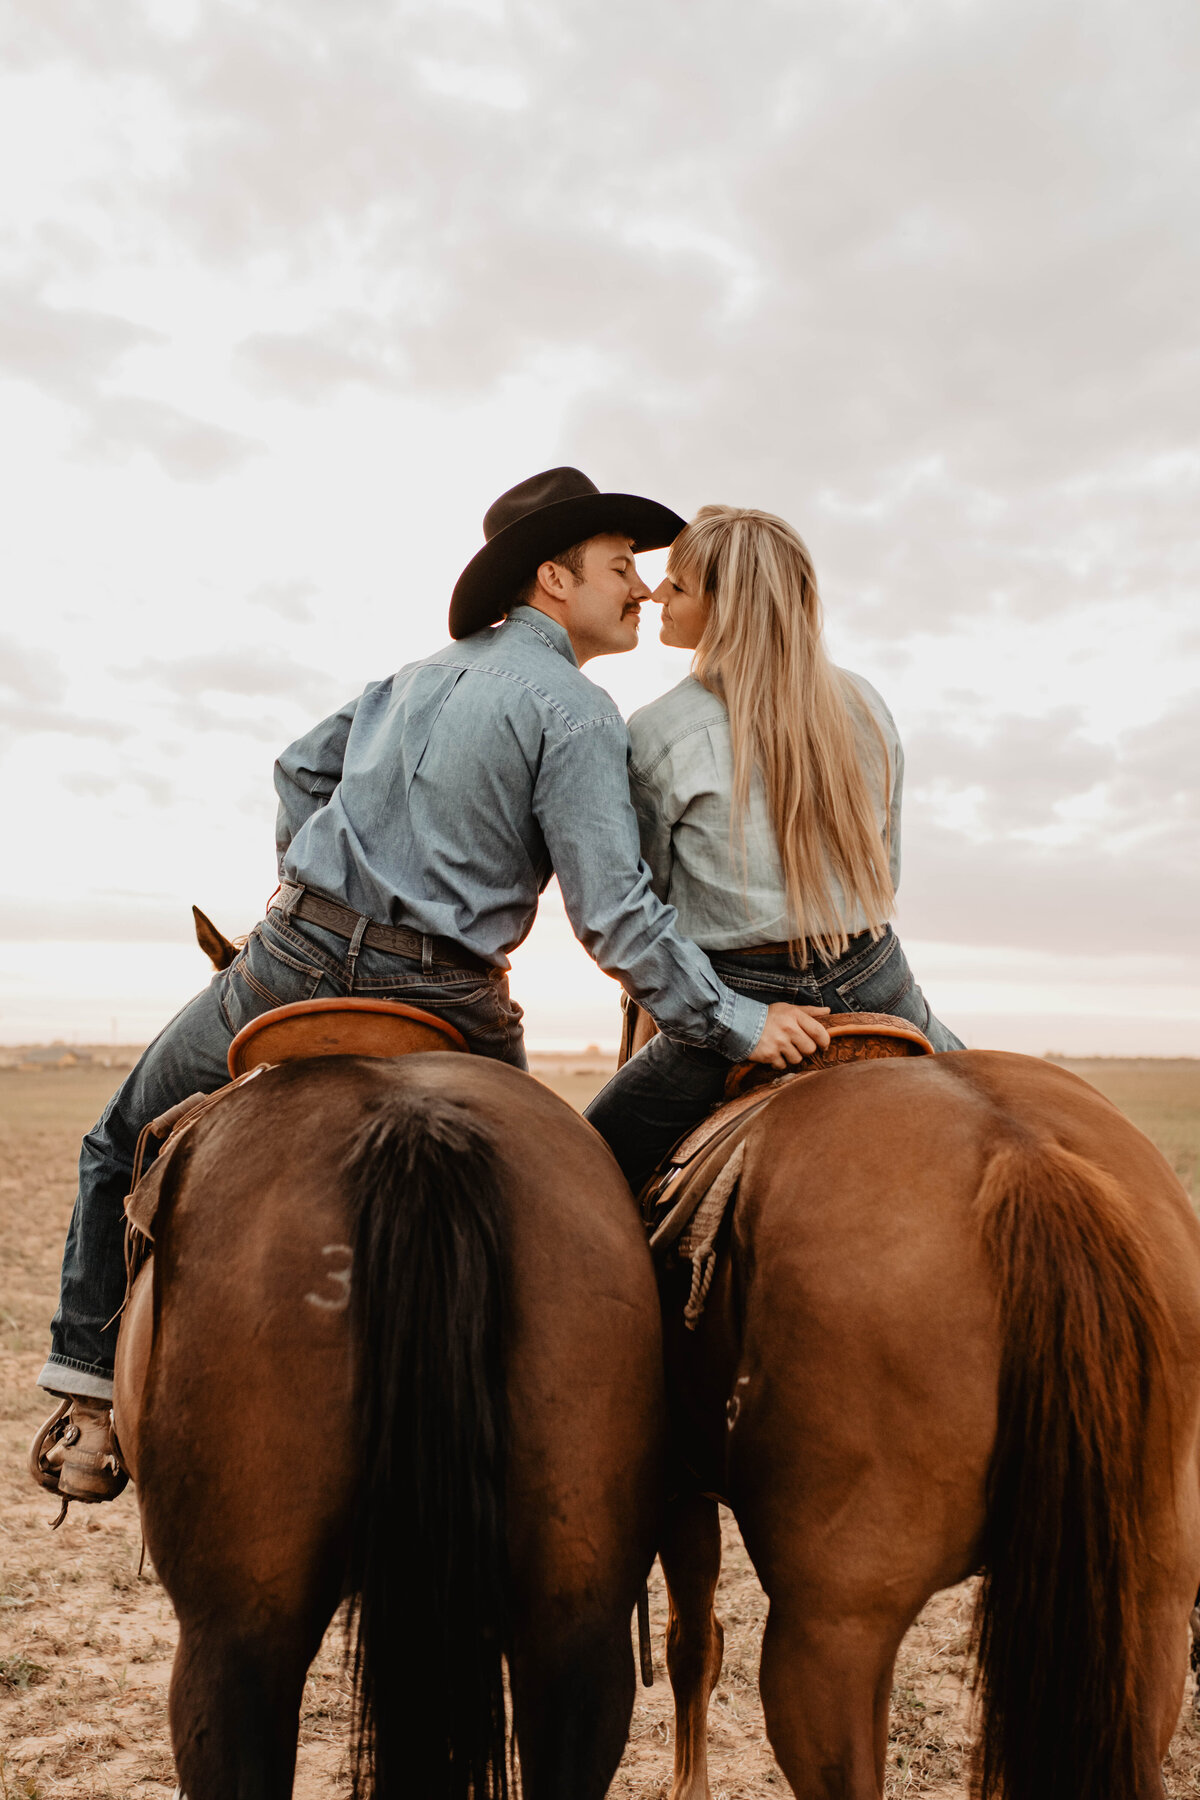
570, 559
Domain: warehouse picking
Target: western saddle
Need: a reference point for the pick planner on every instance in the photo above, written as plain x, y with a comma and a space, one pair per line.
307, 1028
685, 1202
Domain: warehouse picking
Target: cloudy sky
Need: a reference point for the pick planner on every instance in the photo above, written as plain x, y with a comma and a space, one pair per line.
291, 290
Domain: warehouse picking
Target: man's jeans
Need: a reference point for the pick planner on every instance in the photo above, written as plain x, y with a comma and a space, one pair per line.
283, 961
668, 1087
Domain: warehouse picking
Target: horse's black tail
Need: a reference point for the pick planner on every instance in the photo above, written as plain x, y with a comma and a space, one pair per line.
428, 1559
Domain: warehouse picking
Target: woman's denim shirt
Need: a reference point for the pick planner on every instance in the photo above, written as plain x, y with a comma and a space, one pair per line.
681, 777
445, 797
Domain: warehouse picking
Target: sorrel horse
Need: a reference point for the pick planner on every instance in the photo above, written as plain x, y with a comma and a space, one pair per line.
955, 1328
398, 1340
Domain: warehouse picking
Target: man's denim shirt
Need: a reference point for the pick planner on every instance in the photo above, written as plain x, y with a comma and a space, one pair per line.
444, 798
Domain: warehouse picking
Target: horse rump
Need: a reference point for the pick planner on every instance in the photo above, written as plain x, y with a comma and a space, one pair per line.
428, 1574
1072, 1485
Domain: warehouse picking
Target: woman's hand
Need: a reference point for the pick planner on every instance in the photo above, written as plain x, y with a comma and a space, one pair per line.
790, 1034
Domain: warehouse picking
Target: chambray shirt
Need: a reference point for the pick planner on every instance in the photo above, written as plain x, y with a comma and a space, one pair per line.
681, 778
445, 797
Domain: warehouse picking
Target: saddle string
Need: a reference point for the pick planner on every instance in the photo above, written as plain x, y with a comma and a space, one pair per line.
699, 1243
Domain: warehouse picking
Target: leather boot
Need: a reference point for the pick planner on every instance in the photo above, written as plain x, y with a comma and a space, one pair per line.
75, 1452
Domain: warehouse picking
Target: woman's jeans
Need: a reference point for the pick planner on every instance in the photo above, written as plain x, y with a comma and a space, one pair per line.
284, 960
668, 1087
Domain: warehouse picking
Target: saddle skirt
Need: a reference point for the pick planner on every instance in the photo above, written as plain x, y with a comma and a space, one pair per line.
686, 1203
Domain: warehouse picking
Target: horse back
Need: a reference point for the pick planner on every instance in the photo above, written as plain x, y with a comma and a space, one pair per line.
866, 1296
860, 1190
237, 1356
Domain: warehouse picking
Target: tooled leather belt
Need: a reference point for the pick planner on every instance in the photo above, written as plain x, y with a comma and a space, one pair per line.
343, 921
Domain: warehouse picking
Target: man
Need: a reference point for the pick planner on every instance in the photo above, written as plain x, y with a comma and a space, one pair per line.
417, 828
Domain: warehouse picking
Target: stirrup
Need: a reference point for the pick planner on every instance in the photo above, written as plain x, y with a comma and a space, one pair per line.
95, 1476
44, 1439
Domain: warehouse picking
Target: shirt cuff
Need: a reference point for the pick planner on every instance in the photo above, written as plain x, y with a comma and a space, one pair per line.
740, 1024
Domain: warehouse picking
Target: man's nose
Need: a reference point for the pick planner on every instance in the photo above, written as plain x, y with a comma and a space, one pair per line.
638, 589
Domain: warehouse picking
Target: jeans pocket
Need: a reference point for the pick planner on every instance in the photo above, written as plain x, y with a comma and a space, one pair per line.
768, 985
261, 979
881, 981
493, 1013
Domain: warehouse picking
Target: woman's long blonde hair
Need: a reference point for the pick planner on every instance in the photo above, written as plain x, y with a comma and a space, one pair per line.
791, 716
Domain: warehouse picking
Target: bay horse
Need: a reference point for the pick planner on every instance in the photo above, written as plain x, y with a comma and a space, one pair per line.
398, 1341
954, 1328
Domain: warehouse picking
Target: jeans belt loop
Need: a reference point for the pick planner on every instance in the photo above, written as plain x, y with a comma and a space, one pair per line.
289, 897
427, 956
355, 946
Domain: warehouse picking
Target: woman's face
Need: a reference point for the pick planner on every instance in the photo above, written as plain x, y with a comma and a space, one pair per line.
684, 612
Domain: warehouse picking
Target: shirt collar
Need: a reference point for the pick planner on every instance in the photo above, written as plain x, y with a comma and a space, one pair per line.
548, 629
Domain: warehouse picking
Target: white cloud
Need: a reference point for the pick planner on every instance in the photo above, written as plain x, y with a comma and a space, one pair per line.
252, 673
188, 449
310, 366
474, 83
291, 600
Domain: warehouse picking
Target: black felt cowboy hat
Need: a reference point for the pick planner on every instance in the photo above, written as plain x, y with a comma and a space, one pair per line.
536, 520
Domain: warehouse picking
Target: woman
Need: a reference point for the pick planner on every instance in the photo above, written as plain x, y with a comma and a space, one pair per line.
767, 786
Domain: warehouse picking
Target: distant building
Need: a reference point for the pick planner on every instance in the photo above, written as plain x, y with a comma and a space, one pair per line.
56, 1056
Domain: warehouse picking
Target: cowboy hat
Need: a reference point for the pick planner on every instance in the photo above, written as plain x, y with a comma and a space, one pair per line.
532, 523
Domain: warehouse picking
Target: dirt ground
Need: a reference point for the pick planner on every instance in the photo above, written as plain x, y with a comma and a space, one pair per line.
86, 1642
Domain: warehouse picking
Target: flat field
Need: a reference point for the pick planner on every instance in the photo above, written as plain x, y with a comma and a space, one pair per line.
86, 1642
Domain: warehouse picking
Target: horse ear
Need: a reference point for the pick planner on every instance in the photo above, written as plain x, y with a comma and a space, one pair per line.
218, 949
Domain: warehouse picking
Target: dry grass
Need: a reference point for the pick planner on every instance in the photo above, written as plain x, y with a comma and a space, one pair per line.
86, 1645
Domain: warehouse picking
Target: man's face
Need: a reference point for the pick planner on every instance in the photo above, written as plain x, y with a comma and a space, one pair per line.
601, 614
